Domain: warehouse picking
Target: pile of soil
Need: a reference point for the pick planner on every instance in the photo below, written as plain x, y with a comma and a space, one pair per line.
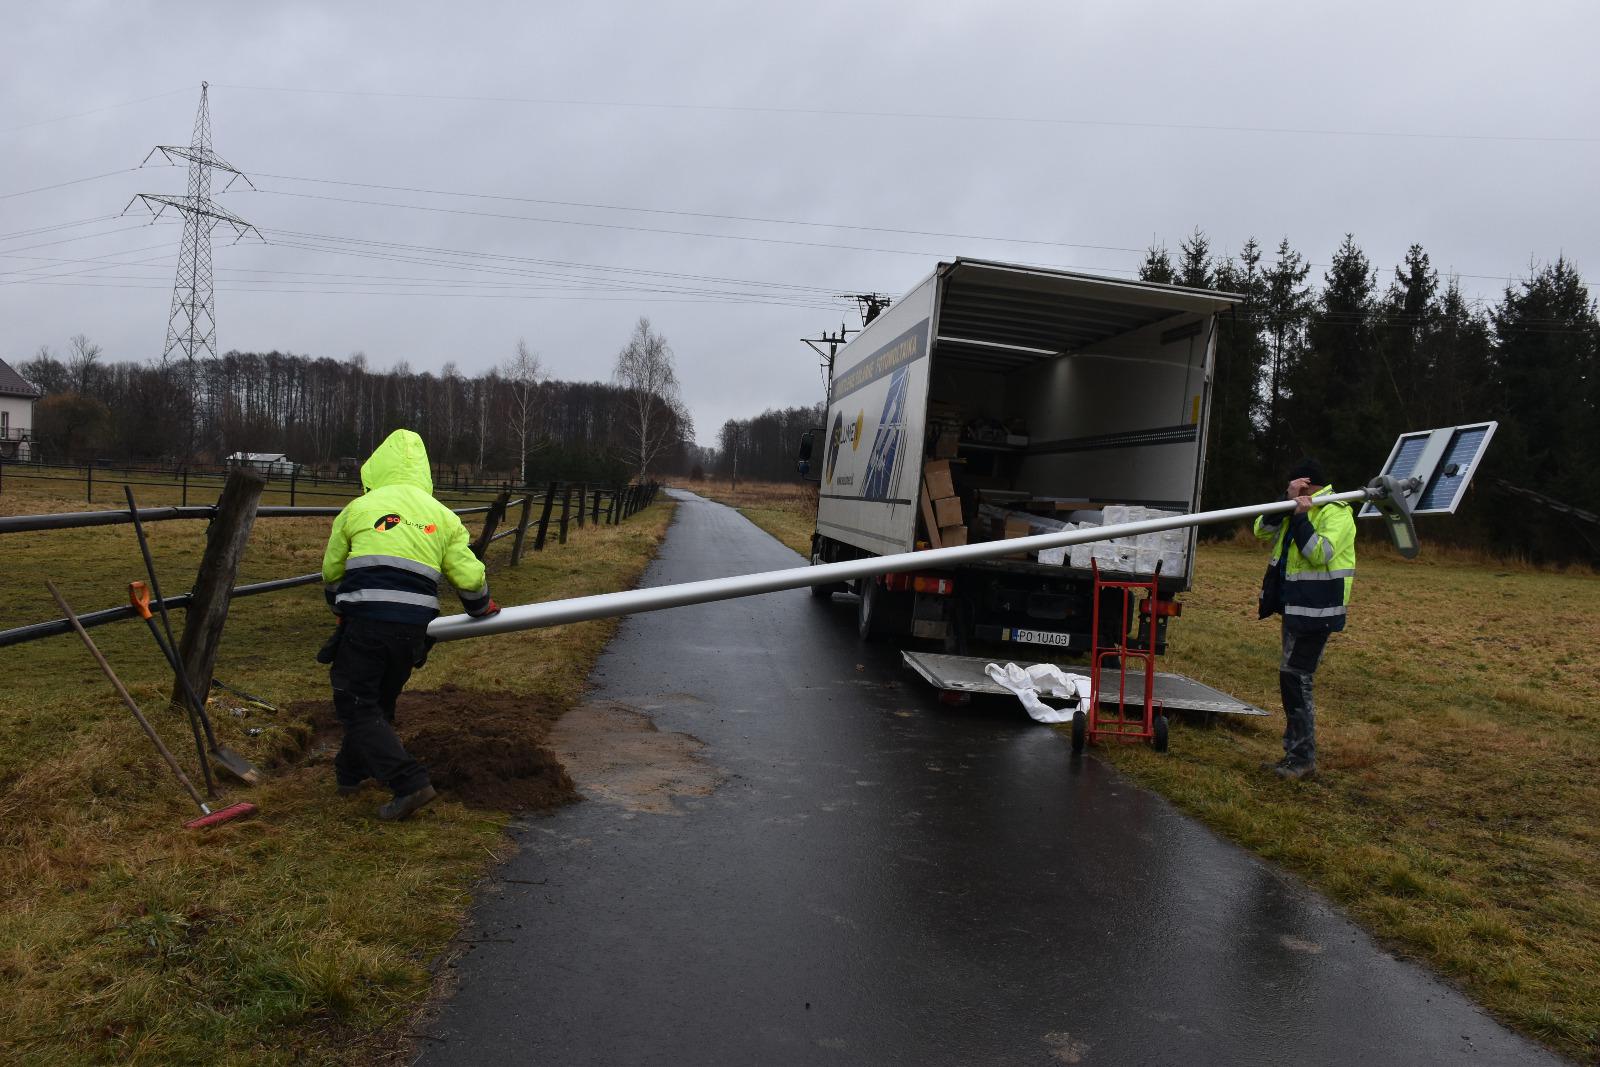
485, 749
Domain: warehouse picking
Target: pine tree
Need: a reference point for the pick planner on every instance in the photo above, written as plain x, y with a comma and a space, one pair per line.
1408, 322
1341, 403
1194, 262
1286, 304
1234, 472
1546, 341
1157, 265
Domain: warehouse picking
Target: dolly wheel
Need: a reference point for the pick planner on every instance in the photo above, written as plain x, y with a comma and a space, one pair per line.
1080, 732
1159, 742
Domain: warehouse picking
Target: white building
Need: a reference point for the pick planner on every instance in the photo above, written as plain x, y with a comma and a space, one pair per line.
17, 398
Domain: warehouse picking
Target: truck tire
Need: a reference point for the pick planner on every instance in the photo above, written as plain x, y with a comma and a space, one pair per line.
880, 613
1159, 741
1080, 732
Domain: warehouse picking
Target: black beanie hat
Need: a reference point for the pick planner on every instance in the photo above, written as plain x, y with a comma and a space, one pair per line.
1309, 468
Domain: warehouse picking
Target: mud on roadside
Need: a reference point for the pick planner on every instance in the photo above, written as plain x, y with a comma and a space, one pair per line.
485, 749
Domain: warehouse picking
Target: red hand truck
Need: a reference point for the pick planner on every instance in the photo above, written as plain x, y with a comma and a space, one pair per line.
1144, 721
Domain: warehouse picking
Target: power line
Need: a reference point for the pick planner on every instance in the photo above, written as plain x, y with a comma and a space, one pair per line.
92, 111
74, 181
702, 214
1034, 120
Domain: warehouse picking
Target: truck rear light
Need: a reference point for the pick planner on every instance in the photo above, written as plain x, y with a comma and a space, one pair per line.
1169, 608
920, 583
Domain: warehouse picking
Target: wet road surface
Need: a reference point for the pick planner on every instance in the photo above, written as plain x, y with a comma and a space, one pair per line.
879, 879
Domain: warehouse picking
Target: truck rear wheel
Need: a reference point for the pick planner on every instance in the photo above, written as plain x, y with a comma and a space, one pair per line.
880, 612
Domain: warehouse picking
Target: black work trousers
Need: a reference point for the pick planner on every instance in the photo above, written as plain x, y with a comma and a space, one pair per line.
1302, 653
372, 665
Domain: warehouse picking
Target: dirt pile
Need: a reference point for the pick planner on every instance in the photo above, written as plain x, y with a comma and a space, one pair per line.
485, 749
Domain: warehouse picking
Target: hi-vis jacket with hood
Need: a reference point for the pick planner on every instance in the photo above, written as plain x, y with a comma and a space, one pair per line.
1313, 566
390, 547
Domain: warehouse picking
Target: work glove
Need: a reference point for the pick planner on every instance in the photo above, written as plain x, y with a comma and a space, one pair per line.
330, 647
492, 610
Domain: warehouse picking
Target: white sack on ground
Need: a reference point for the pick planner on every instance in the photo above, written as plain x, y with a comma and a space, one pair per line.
1042, 679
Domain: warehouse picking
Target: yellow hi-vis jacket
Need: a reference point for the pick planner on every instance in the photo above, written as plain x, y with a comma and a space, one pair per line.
1313, 566
390, 547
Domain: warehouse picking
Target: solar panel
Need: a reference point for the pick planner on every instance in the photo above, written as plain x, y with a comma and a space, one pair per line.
1443, 460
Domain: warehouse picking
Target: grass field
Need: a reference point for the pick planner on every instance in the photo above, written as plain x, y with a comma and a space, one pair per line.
307, 934
1457, 814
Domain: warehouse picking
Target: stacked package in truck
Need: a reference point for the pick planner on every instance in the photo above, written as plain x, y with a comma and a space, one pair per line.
1140, 554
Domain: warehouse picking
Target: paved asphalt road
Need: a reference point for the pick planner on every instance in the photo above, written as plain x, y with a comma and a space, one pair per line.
883, 880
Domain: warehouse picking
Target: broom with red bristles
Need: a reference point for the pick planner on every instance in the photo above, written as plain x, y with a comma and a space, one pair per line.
207, 816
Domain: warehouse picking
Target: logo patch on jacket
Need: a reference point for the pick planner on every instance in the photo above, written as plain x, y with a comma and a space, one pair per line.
391, 520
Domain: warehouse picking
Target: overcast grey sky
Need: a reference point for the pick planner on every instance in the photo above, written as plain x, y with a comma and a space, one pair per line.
1031, 130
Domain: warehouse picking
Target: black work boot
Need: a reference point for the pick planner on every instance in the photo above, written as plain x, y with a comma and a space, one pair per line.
1294, 772
402, 807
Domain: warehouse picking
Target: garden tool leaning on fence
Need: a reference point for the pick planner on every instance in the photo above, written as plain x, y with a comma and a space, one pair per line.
226, 758
207, 816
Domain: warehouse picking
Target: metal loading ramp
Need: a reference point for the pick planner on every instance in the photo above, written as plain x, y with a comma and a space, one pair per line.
1175, 692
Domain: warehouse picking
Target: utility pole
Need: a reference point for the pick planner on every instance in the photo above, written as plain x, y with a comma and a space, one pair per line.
192, 322
833, 341
872, 305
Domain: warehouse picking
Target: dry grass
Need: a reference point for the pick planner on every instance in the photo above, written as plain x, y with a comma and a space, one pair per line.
304, 935
1457, 815
786, 510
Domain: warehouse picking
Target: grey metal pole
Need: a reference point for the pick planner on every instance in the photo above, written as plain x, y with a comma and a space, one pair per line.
628, 602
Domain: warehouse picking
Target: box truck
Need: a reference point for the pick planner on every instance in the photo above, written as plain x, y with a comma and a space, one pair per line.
996, 400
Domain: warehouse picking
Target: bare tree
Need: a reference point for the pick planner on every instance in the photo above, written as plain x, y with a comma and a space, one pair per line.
653, 412
81, 362
523, 372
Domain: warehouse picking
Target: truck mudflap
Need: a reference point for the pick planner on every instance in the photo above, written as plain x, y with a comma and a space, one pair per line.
1174, 692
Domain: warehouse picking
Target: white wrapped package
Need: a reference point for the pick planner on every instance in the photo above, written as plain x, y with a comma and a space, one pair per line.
1046, 679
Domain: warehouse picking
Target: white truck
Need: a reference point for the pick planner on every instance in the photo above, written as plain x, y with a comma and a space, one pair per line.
1052, 395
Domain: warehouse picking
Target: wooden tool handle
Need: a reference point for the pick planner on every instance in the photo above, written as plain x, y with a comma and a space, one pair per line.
123, 692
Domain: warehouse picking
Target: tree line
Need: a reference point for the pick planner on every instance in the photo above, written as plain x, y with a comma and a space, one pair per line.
511, 422
1338, 370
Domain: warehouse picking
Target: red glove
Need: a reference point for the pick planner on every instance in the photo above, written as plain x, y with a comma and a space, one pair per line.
488, 612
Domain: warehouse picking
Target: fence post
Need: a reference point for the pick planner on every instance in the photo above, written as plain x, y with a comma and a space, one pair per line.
294, 475
544, 517
497, 511
522, 529
611, 505
186, 487
88, 481
566, 510
583, 501
226, 539
594, 516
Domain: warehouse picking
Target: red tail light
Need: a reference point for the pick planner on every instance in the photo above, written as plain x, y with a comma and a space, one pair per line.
1162, 607
920, 583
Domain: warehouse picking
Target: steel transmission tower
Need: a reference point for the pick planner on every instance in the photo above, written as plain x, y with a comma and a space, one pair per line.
192, 324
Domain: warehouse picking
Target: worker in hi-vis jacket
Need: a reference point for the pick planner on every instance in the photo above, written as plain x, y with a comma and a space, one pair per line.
1308, 582
386, 554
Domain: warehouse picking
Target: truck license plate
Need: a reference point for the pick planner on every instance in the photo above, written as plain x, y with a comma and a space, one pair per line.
1041, 637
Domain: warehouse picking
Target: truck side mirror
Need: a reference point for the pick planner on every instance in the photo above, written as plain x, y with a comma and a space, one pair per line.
802, 461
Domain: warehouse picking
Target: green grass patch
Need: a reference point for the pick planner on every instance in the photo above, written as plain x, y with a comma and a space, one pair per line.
1457, 814
308, 934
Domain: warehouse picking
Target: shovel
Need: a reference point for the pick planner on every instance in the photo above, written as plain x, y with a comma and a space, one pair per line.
207, 816
227, 758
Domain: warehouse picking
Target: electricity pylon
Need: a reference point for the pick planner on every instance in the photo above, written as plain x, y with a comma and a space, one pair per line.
192, 323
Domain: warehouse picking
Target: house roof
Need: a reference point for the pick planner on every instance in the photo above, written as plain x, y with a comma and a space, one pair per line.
14, 384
